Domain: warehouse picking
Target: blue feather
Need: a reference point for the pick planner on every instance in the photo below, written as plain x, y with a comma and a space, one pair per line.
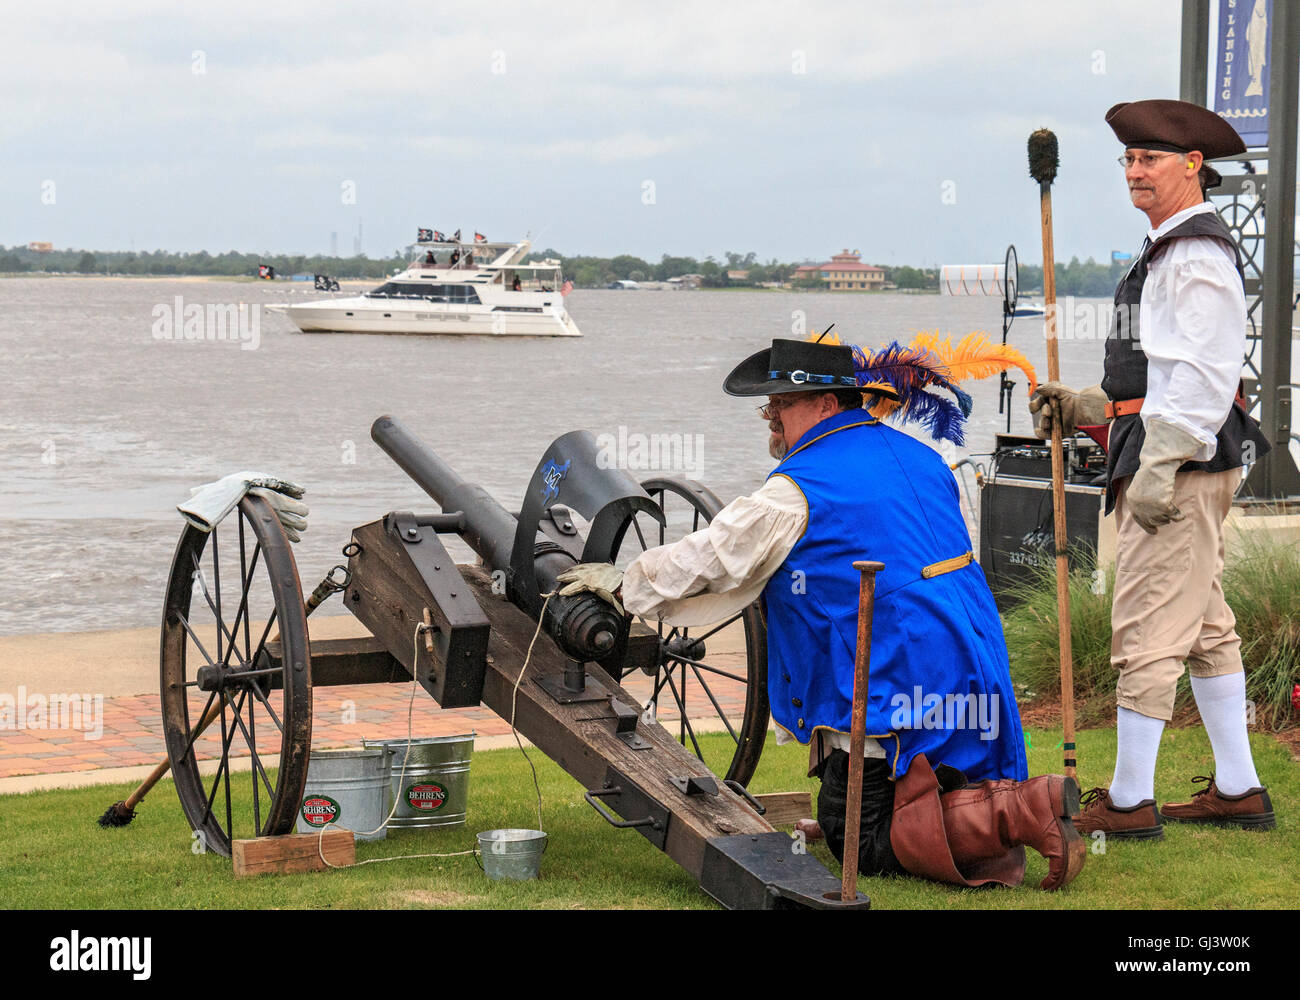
911, 370
939, 416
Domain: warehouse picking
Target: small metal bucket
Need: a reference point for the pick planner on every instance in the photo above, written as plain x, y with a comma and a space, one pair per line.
511, 854
434, 791
346, 789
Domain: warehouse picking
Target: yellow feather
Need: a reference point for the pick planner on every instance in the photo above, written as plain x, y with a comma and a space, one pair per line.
976, 357
832, 338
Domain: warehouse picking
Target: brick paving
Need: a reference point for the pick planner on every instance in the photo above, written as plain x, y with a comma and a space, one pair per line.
132, 735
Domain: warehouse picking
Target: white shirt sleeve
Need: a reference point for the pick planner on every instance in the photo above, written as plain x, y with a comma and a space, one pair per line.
718, 571
1193, 328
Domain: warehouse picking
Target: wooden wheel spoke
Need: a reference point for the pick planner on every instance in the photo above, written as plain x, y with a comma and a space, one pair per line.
216, 610
718, 628
686, 723
716, 707
257, 690
704, 666
226, 737
180, 617
194, 733
243, 602
216, 583
249, 737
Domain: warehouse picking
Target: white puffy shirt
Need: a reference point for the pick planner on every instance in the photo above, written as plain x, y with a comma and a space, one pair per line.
718, 571
1192, 320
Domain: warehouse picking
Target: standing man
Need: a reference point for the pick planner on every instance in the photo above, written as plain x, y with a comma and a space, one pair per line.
848, 487
1179, 437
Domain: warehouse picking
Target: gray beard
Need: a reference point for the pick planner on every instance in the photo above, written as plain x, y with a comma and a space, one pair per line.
776, 447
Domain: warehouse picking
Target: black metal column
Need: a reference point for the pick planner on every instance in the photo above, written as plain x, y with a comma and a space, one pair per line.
1193, 74
1276, 477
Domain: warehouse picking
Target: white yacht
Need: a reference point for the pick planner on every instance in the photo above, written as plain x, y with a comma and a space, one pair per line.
452, 286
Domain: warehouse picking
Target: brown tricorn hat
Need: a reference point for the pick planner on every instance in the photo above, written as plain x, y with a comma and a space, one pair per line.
1179, 126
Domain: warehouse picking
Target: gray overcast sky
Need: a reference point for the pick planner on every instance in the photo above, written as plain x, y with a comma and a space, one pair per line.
792, 129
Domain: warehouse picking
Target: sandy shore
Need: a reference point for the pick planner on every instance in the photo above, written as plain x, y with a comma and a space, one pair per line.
110, 663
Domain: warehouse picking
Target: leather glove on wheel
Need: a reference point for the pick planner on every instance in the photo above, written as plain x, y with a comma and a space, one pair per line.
601, 579
210, 503
292, 513
1078, 408
1149, 496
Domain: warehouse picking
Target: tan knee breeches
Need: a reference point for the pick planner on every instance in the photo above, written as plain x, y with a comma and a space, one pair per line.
1169, 604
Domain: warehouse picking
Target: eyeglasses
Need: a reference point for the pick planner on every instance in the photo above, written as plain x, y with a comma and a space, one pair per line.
1146, 160
768, 411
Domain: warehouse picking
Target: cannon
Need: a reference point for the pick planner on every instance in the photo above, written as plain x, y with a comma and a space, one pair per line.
236, 651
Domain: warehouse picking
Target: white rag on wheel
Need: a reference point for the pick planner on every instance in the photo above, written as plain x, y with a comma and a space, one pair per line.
209, 503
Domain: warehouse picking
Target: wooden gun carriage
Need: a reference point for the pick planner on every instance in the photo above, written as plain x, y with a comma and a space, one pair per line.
478, 625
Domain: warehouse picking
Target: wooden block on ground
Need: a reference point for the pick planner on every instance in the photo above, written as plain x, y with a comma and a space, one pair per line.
294, 852
785, 808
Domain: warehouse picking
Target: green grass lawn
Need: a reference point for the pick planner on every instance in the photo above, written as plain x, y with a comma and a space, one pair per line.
54, 855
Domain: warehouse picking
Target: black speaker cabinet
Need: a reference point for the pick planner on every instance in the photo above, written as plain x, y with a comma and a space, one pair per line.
1017, 530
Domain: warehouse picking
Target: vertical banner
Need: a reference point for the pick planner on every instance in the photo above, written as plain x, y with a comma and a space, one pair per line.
1241, 49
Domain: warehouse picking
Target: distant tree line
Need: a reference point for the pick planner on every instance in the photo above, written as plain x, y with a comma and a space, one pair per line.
232, 263
1079, 278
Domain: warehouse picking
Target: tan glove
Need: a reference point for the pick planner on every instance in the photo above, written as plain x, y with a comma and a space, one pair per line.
1149, 496
292, 513
1079, 408
601, 579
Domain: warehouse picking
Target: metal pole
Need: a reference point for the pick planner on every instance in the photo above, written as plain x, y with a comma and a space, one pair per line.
1281, 478
1193, 75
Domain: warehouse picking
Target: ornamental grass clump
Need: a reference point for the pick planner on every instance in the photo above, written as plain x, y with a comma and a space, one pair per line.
1033, 641
1261, 582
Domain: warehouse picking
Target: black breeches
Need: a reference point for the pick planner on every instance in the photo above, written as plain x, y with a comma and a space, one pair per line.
875, 856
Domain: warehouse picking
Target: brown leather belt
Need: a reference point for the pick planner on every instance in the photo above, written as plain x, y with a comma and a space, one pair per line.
1124, 407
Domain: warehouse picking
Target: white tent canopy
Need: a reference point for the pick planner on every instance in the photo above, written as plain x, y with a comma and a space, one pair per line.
971, 279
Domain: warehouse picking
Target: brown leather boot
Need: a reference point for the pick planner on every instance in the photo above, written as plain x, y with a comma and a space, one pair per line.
976, 835
1251, 810
985, 819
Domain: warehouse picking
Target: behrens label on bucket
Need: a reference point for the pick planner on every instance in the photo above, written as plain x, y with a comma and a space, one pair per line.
320, 810
426, 797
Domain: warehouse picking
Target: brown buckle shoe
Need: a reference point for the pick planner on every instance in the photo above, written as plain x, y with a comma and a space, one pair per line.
1251, 810
1139, 822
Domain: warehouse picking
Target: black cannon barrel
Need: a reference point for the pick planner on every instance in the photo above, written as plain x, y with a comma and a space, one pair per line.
584, 625
489, 527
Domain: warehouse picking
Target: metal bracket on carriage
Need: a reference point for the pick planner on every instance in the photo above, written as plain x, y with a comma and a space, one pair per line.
694, 784
626, 717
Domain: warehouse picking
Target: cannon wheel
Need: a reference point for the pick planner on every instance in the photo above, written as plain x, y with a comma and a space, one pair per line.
223, 586
691, 684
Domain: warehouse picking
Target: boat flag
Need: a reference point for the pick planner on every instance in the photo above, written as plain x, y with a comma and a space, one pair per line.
566, 288
424, 236
438, 237
455, 237
480, 238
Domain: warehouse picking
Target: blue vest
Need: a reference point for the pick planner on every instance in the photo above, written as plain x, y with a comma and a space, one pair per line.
939, 682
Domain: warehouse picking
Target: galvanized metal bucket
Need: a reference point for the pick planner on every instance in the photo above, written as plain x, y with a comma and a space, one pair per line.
511, 854
345, 789
434, 791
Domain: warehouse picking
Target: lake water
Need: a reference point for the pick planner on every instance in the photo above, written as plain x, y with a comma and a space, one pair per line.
104, 427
